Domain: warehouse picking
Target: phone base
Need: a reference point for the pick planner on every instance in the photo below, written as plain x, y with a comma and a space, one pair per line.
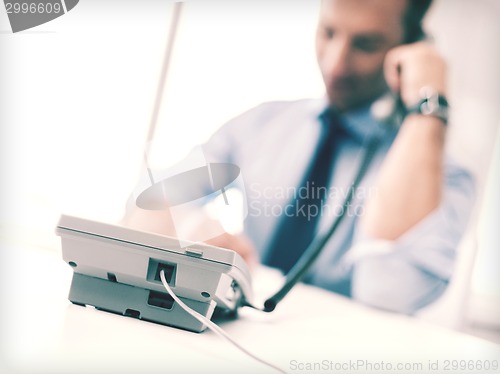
137, 302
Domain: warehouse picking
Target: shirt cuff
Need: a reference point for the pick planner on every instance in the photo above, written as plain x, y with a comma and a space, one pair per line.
421, 245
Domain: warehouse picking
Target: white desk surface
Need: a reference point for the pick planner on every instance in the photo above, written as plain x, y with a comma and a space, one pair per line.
41, 331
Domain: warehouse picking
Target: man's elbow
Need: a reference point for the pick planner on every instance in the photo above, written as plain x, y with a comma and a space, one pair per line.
395, 285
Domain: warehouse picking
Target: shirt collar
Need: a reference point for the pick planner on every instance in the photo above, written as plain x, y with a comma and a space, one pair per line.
360, 124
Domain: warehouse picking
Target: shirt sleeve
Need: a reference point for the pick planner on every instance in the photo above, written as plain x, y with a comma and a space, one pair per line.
409, 273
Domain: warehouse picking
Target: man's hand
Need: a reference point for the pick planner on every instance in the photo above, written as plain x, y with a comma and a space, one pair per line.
238, 243
161, 222
410, 179
409, 68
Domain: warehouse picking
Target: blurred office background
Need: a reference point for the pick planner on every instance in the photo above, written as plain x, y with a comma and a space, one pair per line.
77, 95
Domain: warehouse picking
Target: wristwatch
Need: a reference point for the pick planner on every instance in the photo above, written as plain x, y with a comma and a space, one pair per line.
431, 104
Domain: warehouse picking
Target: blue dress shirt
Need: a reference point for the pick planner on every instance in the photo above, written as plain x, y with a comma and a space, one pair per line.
273, 143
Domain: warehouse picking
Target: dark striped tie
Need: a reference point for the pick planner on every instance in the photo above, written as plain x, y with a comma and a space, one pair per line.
295, 231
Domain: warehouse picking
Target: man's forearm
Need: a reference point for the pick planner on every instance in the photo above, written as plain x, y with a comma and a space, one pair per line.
411, 177
410, 180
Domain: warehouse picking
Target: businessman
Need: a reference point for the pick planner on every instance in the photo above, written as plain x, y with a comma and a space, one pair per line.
396, 245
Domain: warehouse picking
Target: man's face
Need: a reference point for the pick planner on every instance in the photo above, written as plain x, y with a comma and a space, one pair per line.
352, 40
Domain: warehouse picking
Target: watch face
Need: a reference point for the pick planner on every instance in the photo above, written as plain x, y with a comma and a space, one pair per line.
428, 107
431, 104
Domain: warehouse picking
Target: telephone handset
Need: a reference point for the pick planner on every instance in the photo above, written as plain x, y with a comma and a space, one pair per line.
389, 109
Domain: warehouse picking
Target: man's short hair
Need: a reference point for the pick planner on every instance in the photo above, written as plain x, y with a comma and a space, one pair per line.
413, 20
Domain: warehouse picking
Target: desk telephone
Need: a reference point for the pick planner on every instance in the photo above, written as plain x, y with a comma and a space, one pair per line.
118, 269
